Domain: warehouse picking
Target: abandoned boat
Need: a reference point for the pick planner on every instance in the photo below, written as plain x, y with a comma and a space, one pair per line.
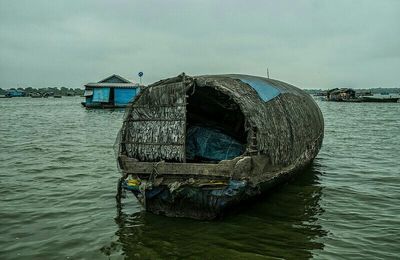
197, 146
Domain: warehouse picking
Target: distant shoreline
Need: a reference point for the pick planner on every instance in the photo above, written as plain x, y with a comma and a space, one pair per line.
50, 91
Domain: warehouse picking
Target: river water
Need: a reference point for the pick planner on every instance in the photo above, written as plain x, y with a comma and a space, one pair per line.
58, 180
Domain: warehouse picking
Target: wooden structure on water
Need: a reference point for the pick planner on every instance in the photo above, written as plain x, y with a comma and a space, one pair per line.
15, 93
111, 92
350, 95
262, 132
342, 94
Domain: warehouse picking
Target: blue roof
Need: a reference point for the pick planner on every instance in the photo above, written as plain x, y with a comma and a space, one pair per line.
265, 90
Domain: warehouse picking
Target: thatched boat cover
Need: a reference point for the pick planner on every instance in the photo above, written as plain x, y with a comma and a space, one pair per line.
269, 117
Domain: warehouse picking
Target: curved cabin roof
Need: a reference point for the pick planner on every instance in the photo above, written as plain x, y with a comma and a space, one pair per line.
280, 119
266, 89
284, 118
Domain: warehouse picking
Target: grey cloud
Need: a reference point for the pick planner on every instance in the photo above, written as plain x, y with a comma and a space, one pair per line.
308, 43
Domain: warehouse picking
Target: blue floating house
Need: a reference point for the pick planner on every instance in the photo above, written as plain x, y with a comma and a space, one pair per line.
15, 93
111, 92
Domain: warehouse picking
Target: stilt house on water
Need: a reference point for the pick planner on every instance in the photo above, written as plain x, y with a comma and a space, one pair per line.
342, 94
15, 93
196, 146
111, 92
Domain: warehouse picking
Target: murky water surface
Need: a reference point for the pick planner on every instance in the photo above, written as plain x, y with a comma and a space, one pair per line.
58, 180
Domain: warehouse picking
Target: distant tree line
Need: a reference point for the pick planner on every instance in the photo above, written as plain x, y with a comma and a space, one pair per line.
63, 91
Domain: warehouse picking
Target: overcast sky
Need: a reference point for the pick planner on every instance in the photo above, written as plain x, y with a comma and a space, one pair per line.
311, 44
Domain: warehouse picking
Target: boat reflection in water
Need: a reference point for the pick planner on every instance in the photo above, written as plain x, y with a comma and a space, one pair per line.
281, 224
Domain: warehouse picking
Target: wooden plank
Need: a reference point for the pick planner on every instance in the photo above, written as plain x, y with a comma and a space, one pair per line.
184, 129
150, 143
161, 105
153, 119
132, 166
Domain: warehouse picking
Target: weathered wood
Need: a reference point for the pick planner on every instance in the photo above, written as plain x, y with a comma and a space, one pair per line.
132, 166
149, 143
166, 105
154, 119
183, 147
154, 128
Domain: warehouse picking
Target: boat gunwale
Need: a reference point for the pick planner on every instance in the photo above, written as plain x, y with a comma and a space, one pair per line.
224, 168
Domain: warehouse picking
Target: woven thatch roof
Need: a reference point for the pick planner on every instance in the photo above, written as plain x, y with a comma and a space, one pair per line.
280, 120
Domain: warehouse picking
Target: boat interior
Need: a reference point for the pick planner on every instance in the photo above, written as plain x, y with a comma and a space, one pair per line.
215, 126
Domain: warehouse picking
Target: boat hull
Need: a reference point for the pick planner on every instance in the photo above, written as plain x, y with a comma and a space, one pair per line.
207, 202
194, 202
367, 100
100, 106
380, 100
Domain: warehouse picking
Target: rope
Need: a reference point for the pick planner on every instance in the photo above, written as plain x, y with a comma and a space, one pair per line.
149, 182
120, 193
154, 172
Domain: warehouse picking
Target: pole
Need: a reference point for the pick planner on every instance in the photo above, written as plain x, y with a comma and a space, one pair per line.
140, 74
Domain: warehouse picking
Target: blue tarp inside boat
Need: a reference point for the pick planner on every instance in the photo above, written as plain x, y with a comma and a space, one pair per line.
211, 144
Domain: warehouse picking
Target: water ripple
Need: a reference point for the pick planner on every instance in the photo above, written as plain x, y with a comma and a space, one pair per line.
58, 177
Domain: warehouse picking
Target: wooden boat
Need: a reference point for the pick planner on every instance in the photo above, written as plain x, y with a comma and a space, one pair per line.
197, 146
36, 95
377, 99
